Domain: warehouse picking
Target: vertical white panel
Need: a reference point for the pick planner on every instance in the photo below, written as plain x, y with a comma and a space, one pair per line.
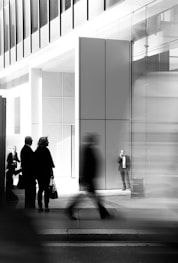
117, 138
97, 127
54, 28
36, 102
13, 55
19, 51
44, 35
27, 48
95, 8
92, 78
80, 12
6, 56
66, 21
35, 41
118, 59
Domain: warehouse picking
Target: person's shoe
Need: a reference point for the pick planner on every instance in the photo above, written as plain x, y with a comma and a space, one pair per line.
106, 216
40, 209
47, 210
69, 213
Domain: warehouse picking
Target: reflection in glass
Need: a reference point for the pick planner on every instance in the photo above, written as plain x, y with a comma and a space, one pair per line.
43, 13
65, 4
19, 21
34, 15
12, 24
53, 9
109, 3
26, 6
6, 27
1, 30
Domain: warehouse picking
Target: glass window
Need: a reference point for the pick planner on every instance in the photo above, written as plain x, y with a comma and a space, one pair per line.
6, 26
34, 15
26, 11
109, 3
19, 21
1, 29
43, 13
66, 4
53, 9
12, 24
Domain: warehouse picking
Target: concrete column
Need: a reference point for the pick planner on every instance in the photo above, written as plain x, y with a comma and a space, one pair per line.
36, 103
104, 101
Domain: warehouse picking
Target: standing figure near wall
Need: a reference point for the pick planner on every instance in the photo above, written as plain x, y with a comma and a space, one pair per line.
44, 171
124, 167
28, 173
12, 160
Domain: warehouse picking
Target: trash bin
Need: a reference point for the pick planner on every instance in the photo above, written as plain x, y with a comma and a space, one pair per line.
137, 189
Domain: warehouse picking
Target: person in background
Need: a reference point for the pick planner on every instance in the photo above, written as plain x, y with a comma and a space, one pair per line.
28, 172
124, 167
44, 171
12, 160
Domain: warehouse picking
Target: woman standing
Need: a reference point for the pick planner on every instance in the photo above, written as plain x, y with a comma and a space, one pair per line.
44, 171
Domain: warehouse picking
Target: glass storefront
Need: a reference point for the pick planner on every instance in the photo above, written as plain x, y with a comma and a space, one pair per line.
12, 24
155, 99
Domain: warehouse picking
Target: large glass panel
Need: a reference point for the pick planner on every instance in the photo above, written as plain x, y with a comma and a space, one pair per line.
34, 15
19, 21
12, 24
53, 9
43, 12
6, 25
26, 6
109, 3
1, 29
65, 4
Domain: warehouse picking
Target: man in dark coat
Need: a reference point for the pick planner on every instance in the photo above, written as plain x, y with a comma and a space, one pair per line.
28, 173
124, 167
89, 170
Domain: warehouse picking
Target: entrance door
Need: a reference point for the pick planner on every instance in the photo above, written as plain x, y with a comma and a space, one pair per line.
2, 146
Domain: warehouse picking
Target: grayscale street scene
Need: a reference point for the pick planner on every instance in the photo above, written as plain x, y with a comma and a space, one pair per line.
88, 131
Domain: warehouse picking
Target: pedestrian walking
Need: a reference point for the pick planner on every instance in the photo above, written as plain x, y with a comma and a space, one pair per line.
28, 172
124, 167
44, 171
89, 171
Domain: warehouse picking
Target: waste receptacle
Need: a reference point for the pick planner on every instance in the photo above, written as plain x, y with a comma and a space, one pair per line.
137, 189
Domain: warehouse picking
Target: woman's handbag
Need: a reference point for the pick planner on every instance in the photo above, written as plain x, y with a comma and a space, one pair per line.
53, 194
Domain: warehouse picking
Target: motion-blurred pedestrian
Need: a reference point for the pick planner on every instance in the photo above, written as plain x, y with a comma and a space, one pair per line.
89, 171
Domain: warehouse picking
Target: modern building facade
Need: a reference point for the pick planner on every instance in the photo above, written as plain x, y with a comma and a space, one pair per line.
70, 67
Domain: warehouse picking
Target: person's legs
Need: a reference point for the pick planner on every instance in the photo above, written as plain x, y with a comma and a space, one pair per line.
71, 207
46, 197
127, 178
123, 179
102, 210
40, 192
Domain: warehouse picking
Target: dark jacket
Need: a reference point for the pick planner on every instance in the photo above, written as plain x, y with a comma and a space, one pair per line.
90, 163
43, 163
128, 164
27, 162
